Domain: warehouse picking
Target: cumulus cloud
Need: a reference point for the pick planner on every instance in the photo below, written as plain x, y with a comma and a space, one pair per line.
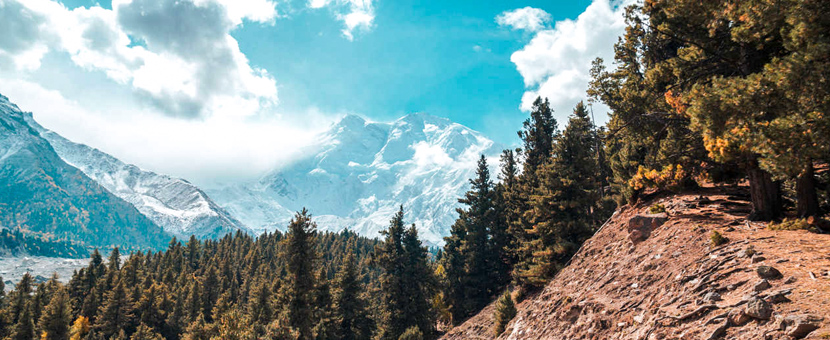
528, 18
556, 62
177, 54
355, 14
21, 45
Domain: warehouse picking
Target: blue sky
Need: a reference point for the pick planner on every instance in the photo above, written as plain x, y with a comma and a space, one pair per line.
176, 76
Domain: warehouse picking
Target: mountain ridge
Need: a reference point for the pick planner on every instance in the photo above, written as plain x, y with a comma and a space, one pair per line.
43, 194
175, 204
359, 171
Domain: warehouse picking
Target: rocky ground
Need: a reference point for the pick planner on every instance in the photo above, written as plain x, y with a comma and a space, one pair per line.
645, 276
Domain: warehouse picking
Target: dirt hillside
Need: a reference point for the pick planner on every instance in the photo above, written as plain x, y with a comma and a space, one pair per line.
673, 284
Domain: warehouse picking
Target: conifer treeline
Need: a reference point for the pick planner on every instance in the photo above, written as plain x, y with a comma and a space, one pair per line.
524, 228
298, 285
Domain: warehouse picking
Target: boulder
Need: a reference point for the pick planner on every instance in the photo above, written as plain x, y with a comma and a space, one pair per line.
758, 309
641, 226
800, 325
767, 272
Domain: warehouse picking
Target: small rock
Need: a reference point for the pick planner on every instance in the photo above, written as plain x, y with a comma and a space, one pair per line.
621, 324
782, 260
800, 325
767, 272
758, 309
712, 297
790, 279
762, 286
758, 258
778, 297
738, 317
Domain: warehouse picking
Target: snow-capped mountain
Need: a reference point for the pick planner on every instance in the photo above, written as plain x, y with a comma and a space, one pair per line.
175, 204
359, 172
40, 193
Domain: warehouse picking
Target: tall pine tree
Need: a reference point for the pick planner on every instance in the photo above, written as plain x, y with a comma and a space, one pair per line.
301, 257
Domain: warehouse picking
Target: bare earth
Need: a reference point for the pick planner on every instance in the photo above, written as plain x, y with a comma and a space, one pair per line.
675, 285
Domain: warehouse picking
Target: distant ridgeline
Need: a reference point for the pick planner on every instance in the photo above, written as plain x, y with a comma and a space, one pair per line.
39, 192
16, 242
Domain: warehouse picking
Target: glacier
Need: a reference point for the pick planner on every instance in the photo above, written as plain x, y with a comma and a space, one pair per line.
358, 172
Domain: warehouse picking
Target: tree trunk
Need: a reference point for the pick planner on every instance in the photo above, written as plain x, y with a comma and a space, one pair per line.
807, 199
766, 194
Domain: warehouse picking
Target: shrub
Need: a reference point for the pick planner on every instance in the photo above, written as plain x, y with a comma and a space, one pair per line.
792, 224
657, 209
717, 239
505, 311
669, 178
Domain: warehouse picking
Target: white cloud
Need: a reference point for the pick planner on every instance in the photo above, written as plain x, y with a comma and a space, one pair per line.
177, 54
21, 41
428, 156
556, 62
204, 151
355, 14
528, 18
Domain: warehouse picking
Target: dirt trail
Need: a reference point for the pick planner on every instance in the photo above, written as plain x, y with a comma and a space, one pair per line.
675, 285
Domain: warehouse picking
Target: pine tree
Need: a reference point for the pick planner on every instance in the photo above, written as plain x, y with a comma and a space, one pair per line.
24, 329
477, 248
301, 256
389, 257
419, 283
537, 136
116, 313
351, 315
323, 313
260, 310
144, 332
19, 298
79, 329
455, 271
564, 206
56, 317
505, 311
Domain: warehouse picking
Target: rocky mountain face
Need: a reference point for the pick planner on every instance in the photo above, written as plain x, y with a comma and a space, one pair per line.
40, 192
359, 172
175, 204
661, 276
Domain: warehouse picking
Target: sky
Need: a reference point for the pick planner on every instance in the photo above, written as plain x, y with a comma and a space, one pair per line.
216, 89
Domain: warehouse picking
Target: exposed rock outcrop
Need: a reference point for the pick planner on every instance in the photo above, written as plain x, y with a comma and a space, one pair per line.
664, 286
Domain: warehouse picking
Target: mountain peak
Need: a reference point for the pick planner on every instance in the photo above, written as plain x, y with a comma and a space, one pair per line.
424, 118
351, 121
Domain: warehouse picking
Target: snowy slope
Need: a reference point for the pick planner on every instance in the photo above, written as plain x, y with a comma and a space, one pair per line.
40, 193
359, 172
176, 205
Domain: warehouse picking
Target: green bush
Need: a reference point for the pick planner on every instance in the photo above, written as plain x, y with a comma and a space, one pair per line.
717, 239
792, 224
505, 311
656, 209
